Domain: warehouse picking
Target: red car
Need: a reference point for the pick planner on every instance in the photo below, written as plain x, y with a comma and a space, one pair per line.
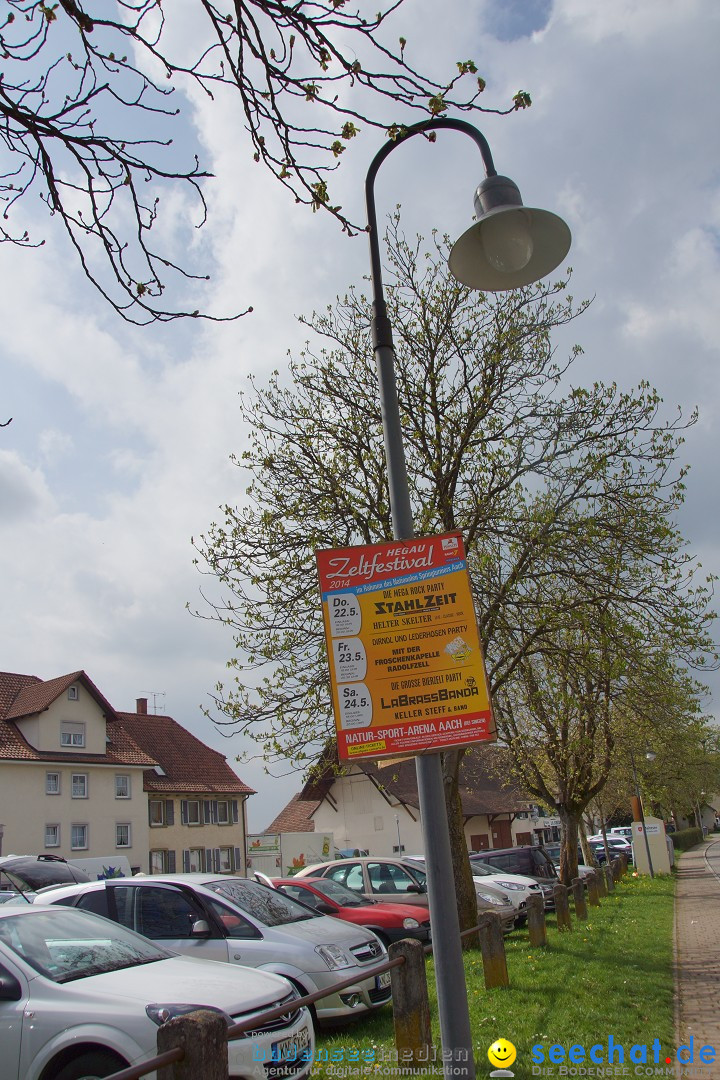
389, 921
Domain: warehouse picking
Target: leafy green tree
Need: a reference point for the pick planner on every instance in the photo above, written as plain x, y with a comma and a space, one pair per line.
88, 111
538, 474
577, 712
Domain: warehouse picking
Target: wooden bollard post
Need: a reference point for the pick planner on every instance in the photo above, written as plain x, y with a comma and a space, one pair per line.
592, 894
562, 908
536, 921
492, 944
616, 869
411, 1008
601, 881
203, 1037
623, 863
609, 879
579, 899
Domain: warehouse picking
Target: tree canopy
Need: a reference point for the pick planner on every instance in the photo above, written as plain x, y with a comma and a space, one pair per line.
90, 95
565, 494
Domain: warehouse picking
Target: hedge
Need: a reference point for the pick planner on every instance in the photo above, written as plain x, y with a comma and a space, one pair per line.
686, 838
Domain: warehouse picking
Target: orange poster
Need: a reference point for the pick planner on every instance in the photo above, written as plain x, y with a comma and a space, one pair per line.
406, 665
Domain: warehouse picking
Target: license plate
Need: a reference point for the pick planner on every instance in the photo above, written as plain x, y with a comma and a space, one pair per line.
293, 1048
382, 981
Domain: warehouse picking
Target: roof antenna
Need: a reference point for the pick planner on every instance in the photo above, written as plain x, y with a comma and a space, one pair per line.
155, 694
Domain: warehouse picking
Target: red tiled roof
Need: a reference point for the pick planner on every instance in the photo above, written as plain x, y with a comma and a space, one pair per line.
295, 817
24, 695
189, 765
35, 695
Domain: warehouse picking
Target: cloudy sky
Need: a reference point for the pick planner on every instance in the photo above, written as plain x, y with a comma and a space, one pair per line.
119, 447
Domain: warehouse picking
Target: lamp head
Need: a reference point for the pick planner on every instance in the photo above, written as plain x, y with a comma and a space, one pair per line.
510, 244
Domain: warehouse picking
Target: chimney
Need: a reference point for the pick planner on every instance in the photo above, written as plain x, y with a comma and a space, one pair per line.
141, 706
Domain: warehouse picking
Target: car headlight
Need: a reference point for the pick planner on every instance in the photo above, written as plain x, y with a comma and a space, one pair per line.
494, 900
410, 924
160, 1014
333, 956
510, 885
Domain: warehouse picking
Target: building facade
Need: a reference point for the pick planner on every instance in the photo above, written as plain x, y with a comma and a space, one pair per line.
376, 809
80, 780
71, 779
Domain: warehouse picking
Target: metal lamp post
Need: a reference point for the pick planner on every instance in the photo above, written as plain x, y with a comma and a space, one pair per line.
650, 755
508, 246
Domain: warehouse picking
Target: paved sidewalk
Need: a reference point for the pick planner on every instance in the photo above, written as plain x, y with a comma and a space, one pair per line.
697, 945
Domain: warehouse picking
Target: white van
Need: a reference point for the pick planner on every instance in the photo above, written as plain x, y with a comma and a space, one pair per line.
111, 866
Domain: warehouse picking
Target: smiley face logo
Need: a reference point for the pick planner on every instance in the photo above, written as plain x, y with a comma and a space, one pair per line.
502, 1053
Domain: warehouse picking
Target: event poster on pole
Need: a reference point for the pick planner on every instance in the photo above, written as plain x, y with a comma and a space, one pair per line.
406, 666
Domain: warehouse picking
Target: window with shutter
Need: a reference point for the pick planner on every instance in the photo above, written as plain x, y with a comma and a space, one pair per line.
186, 862
169, 812
235, 811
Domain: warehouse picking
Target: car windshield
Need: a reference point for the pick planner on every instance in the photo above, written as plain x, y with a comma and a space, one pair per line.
269, 906
493, 869
478, 870
333, 890
66, 944
417, 870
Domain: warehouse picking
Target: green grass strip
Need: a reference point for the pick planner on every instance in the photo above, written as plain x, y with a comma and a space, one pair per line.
612, 975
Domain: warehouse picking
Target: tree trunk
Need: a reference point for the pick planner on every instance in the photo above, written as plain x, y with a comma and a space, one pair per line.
464, 887
569, 849
588, 853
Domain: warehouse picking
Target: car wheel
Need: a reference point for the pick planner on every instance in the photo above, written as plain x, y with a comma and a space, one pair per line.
91, 1066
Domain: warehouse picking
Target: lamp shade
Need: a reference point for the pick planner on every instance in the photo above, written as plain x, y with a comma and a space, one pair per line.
510, 244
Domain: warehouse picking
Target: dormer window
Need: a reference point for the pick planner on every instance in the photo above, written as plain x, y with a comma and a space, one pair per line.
72, 735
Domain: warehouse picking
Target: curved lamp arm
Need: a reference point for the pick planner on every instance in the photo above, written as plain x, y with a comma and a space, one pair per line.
382, 333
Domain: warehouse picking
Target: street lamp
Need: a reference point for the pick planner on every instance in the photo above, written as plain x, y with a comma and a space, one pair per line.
508, 246
650, 755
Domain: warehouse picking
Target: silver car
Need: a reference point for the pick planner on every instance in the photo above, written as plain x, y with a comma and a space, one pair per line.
81, 997
239, 921
394, 881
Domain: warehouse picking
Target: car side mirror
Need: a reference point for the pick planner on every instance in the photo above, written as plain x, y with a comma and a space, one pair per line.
10, 989
415, 888
200, 928
325, 909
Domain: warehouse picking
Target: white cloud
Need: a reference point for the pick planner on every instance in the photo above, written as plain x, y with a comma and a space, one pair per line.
118, 451
24, 495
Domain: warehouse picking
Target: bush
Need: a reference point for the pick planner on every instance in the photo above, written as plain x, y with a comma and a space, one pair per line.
686, 838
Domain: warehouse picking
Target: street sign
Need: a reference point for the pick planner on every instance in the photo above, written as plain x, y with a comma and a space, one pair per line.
406, 666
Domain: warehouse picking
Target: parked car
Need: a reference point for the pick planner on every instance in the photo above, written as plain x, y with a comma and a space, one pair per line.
515, 887
31, 872
532, 861
238, 921
553, 851
398, 882
390, 922
622, 830
82, 998
389, 880
615, 843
